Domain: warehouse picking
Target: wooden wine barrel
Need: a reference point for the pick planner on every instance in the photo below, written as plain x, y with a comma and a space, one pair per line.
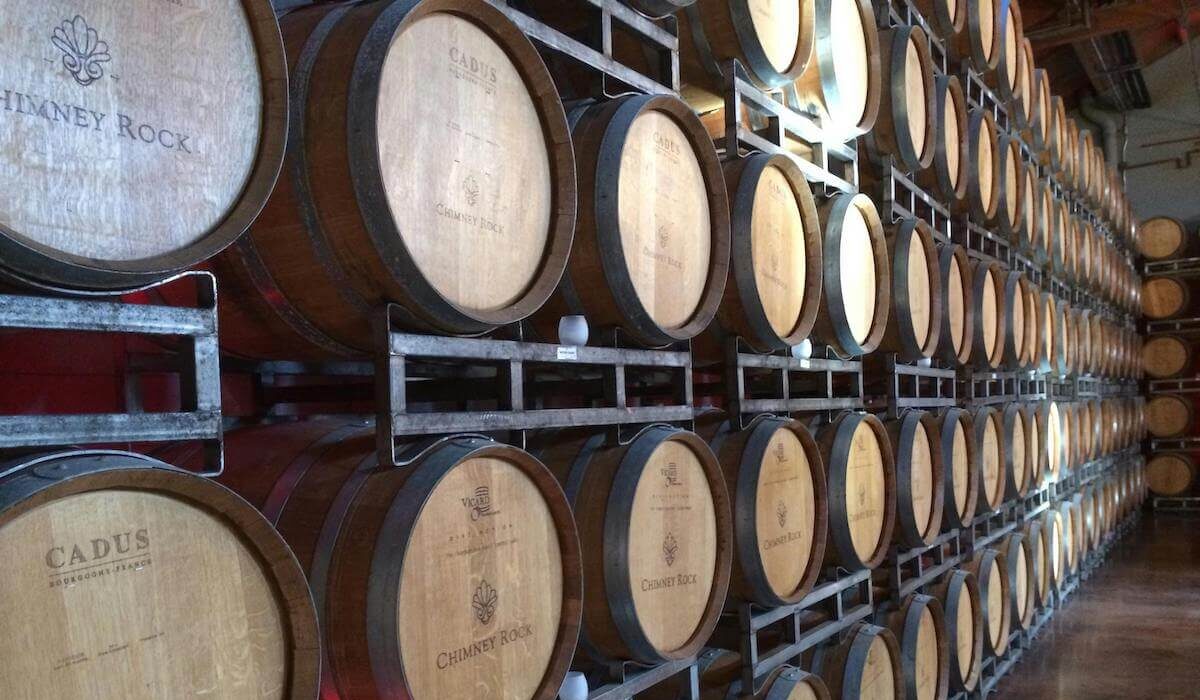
1019, 570
1026, 235
1070, 538
113, 543
720, 673
1072, 243
772, 39
958, 318
913, 329
920, 479
1040, 130
1170, 474
146, 184
1012, 36
960, 466
1166, 356
905, 128
1098, 516
1093, 428
1161, 238
1017, 324
1032, 298
1079, 531
919, 626
983, 187
981, 43
1084, 162
854, 309
774, 290
1038, 543
651, 251
947, 17
1059, 144
1066, 435
1044, 231
948, 177
1164, 297
1053, 335
655, 578
365, 536
1017, 453
776, 483
959, 595
1169, 415
1036, 426
1071, 155
1058, 536
842, 81
1023, 108
1010, 209
346, 232
1051, 417
865, 665
861, 478
990, 311
993, 450
1070, 349
1062, 235
990, 569
1086, 243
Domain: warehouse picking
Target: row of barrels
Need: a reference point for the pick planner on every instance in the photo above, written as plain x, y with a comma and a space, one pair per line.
630, 548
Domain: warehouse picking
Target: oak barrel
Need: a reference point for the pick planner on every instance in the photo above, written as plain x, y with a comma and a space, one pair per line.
905, 128
1166, 356
1016, 321
990, 311
981, 44
1035, 424
507, 586
913, 329
1164, 297
919, 626
185, 581
1038, 543
129, 185
947, 17
1009, 67
774, 291
957, 320
1169, 415
1057, 536
656, 533
993, 455
960, 466
347, 231
1011, 188
920, 480
1051, 416
854, 307
776, 483
1162, 237
959, 594
1018, 558
1170, 474
1017, 453
990, 567
948, 176
1070, 539
983, 187
842, 81
651, 250
1023, 104
866, 664
771, 39
861, 478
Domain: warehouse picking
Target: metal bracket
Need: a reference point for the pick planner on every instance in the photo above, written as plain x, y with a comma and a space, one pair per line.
789, 393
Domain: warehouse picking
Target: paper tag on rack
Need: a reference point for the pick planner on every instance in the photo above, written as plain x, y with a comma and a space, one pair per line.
568, 352
805, 364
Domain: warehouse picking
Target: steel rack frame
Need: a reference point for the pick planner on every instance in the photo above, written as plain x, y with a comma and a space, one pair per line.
796, 385
830, 155
1182, 267
992, 388
982, 244
397, 363
1177, 504
903, 197
622, 681
1174, 325
980, 96
1183, 385
661, 36
911, 386
910, 571
805, 624
197, 364
989, 528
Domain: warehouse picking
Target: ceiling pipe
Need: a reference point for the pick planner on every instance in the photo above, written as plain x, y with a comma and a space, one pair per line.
1111, 125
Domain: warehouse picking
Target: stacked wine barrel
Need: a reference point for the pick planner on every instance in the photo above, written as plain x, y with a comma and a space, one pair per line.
1167, 354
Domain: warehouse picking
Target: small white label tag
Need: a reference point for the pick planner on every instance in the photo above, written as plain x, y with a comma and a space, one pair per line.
568, 352
805, 364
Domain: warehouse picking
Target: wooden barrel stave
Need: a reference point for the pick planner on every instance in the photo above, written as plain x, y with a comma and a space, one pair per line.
913, 329
920, 480
854, 309
960, 597
866, 664
919, 626
906, 126
861, 478
990, 569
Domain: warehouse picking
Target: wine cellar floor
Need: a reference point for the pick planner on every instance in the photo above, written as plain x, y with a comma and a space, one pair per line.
1131, 630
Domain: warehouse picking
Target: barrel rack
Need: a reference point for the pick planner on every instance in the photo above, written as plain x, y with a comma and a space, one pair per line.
196, 362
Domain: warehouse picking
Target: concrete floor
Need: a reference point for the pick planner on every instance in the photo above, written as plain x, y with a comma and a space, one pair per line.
1131, 631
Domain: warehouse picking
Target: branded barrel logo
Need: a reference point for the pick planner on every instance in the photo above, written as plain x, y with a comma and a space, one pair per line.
471, 189
780, 453
484, 602
781, 512
670, 549
479, 503
83, 53
663, 235
671, 474
862, 495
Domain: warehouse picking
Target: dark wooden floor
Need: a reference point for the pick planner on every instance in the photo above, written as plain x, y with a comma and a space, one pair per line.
1130, 631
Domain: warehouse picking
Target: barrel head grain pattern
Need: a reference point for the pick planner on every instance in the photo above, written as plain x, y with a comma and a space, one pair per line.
997, 630
777, 240
987, 27
1010, 63
1054, 441
920, 291
858, 274
958, 304
917, 99
465, 167
1165, 356
922, 486
952, 135
986, 165
672, 546
1057, 545
1021, 581
851, 62
785, 513
777, 25
1163, 297
866, 491
1012, 182
990, 460
1019, 451
135, 594
989, 312
961, 467
125, 135
1160, 238
1168, 415
964, 642
484, 554
1169, 474
664, 219
878, 675
927, 668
